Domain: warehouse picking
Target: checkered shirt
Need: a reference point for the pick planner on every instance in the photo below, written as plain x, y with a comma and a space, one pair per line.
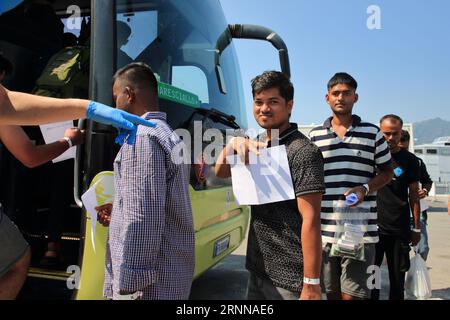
151, 234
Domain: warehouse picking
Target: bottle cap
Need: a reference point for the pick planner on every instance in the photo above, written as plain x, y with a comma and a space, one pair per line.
351, 199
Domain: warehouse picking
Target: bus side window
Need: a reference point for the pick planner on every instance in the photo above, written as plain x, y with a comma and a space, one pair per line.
191, 79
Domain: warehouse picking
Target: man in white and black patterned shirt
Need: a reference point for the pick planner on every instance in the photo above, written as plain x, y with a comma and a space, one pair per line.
356, 160
150, 250
284, 247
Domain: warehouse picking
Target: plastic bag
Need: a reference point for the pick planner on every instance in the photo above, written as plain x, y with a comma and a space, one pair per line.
418, 282
351, 227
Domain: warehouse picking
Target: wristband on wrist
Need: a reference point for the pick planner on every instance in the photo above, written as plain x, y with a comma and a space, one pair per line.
68, 141
366, 186
313, 281
416, 230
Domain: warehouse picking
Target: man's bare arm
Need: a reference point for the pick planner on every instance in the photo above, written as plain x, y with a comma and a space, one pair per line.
383, 177
24, 149
380, 180
414, 203
27, 109
309, 207
222, 168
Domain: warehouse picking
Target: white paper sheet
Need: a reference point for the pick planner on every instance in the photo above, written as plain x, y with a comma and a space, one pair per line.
423, 204
53, 132
266, 179
89, 199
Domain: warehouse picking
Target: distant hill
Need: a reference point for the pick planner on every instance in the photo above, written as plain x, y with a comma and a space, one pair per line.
428, 130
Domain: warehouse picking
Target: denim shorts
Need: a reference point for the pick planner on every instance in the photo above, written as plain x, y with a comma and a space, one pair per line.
12, 243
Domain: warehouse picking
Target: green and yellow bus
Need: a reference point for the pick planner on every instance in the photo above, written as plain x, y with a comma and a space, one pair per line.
189, 46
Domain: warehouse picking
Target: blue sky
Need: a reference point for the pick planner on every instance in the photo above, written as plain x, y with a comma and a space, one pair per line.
403, 68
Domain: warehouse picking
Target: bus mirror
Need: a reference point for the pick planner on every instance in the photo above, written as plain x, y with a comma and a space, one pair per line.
220, 79
247, 31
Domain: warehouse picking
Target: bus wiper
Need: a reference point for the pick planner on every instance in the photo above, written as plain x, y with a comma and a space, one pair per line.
219, 116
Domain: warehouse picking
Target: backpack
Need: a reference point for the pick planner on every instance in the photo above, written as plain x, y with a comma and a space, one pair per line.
66, 75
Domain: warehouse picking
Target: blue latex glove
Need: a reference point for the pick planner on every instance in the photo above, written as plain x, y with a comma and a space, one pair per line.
6, 5
125, 122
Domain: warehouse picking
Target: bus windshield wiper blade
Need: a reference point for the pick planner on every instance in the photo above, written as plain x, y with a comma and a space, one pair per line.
219, 116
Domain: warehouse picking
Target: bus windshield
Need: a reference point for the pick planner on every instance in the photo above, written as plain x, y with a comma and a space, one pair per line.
177, 39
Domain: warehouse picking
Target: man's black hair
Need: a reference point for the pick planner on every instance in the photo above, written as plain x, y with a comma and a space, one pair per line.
5, 65
274, 79
405, 136
342, 78
138, 74
392, 116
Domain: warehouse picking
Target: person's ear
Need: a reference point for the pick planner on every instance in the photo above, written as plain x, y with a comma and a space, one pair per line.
356, 97
131, 96
290, 105
327, 98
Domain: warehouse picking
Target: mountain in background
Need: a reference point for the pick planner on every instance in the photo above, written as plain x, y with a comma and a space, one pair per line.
428, 130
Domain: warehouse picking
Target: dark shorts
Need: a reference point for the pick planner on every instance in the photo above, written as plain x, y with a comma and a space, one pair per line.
262, 289
12, 244
347, 275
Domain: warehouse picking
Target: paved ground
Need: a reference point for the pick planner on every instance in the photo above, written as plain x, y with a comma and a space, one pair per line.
439, 258
227, 280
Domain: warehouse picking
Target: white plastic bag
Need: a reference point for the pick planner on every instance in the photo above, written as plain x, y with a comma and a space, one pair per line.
418, 282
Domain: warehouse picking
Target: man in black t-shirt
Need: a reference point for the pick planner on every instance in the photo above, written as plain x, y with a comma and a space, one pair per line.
394, 202
284, 243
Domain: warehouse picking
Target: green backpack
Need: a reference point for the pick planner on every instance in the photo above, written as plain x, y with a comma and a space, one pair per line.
66, 74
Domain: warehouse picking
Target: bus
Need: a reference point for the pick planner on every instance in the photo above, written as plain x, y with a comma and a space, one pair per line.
189, 46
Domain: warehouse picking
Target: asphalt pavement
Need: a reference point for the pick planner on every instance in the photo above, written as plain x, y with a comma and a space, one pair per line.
228, 279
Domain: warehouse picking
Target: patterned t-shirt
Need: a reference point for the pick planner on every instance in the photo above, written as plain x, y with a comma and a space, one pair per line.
274, 249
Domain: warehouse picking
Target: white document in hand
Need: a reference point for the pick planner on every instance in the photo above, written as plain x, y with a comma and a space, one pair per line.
89, 199
423, 205
53, 132
266, 179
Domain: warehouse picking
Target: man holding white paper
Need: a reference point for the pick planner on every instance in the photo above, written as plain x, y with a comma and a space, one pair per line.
284, 245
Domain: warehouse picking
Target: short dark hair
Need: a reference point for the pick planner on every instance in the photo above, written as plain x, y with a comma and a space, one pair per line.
392, 116
273, 79
405, 136
342, 78
137, 74
5, 65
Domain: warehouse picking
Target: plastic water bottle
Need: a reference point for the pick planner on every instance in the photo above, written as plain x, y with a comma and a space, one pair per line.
351, 199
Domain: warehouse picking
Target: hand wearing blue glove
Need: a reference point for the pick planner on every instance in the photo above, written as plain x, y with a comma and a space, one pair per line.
6, 5
125, 122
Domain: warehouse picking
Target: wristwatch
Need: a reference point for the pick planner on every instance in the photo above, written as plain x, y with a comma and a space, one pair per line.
366, 186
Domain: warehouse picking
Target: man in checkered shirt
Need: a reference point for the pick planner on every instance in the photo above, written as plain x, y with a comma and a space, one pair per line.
150, 251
